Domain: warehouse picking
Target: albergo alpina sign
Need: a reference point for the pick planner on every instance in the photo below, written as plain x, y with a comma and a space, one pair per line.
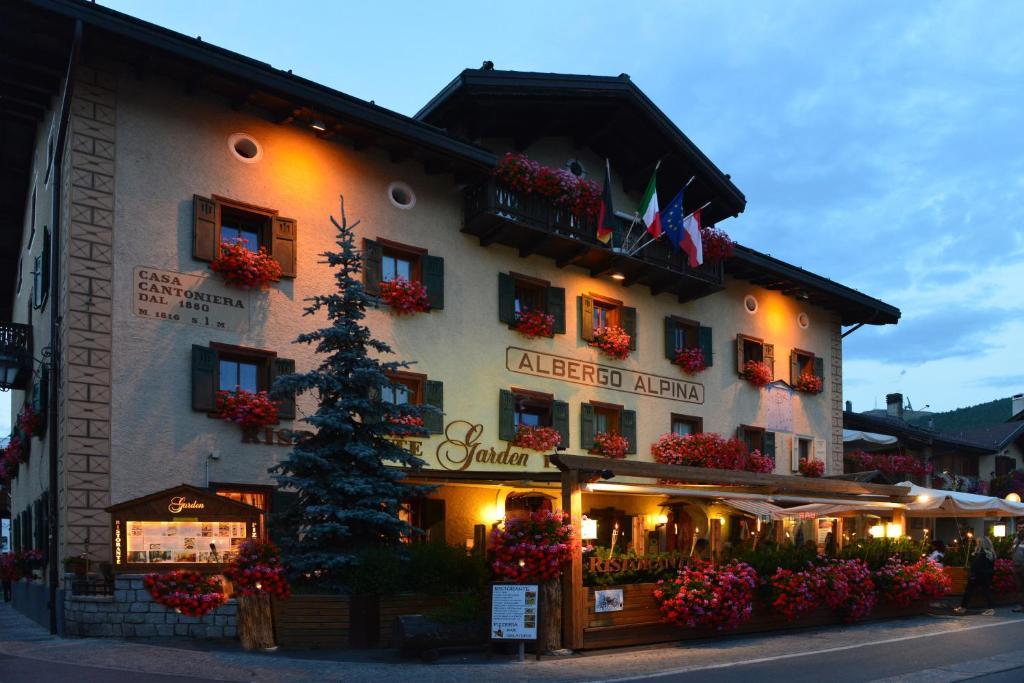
575, 371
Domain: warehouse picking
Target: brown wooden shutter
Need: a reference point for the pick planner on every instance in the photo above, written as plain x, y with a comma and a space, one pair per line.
204, 378
819, 370
205, 245
629, 429
285, 401
740, 360
769, 357
586, 317
556, 308
705, 344
433, 280
506, 415
629, 325
587, 426
433, 396
283, 243
560, 421
372, 268
670, 338
506, 298
794, 368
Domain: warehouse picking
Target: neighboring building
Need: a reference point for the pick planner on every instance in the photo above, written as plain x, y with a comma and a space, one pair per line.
163, 145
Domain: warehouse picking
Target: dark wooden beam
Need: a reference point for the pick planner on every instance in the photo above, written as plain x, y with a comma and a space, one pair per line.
288, 116
573, 256
491, 235
533, 244
241, 99
606, 267
662, 285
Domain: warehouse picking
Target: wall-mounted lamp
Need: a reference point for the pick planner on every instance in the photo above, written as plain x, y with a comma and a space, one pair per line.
318, 125
618, 276
893, 530
588, 529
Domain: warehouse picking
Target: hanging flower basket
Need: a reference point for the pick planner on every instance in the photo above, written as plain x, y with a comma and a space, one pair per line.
812, 468
186, 591
535, 323
613, 340
249, 410
404, 297
691, 360
257, 570
716, 244
703, 595
809, 382
532, 548
757, 373
537, 438
29, 420
243, 268
610, 445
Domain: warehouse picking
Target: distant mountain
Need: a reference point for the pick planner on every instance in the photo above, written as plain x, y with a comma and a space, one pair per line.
981, 415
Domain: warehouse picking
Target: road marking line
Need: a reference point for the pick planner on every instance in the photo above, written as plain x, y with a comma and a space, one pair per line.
794, 655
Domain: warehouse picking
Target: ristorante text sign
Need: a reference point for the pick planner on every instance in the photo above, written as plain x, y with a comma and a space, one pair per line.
191, 299
540, 364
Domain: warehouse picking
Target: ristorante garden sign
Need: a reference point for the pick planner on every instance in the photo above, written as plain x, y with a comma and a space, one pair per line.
587, 373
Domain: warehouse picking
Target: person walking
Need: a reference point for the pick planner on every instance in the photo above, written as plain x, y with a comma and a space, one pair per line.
983, 567
1017, 555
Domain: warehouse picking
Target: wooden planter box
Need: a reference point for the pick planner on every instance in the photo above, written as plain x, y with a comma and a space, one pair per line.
639, 622
958, 576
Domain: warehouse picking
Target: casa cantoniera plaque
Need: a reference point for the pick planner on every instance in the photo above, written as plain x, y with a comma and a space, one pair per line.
588, 373
191, 299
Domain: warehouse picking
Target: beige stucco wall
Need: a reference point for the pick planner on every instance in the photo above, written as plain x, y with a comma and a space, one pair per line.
171, 147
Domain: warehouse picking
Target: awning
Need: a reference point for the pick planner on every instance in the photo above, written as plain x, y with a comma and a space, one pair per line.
939, 503
831, 510
870, 437
754, 507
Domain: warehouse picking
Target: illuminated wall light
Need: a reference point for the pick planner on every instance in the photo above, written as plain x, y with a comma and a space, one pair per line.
999, 530
893, 530
618, 276
318, 125
1013, 497
877, 531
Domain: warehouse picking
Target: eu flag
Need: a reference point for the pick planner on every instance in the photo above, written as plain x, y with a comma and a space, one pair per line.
672, 220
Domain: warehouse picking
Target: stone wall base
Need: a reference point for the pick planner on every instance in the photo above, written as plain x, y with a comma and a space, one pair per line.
131, 613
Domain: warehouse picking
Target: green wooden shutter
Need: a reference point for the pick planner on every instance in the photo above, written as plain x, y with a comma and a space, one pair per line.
41, 400
433, 395
794, 368
629, 325
560, 421
44, 280
769, 357
372, 415
556, 308
204, 229
819, 370
769, 445
372, 268
628, 422
740, 360
506, 415
585, 307
506, 298
704, 342
670, 338
285, 402
433, 280
587, 429
283, 241
204, 378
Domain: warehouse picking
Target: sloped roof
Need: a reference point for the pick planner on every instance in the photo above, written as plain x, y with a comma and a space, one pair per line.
912, 435
995, 436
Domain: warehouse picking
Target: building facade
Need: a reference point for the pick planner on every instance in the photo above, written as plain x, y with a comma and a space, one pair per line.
140, 168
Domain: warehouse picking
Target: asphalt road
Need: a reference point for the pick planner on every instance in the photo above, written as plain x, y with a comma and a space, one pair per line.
933, 658
23, 670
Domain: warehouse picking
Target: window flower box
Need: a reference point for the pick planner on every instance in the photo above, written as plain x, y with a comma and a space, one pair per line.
534, 323
812, 468
243, 268
717, 245
757, 373
613, 340
405, 297
249, 410
537, 438
691, 360
809, 383
610, 445
186, 591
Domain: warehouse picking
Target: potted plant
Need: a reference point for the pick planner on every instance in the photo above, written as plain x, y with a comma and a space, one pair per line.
613, 340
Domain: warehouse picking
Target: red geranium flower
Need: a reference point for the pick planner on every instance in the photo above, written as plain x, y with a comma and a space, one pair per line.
244, 268
610, 445
246, 408
809, 382
257, 570
537, 438
534, 323
757, 373
691, 360
186, 591
613, 340
812, 468
405, 297
532, 548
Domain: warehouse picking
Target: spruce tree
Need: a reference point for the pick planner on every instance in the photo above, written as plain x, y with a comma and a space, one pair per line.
349, 478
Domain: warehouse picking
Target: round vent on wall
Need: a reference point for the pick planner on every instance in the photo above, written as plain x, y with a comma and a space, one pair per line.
401, 195
803, 320
750, 304
245, 148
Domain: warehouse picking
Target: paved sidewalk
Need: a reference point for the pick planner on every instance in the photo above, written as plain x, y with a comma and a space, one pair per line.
20, 637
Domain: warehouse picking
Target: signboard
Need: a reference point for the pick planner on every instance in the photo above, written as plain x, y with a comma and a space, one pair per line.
587, 373
191, 299
779, 408
514, 611
608, 600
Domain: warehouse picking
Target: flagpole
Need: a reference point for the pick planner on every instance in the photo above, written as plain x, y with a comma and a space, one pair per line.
636, 216
706, 205
692, 178
645, 244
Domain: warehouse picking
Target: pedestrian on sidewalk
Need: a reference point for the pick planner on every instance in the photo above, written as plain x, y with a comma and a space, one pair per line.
983, 568
1017, 554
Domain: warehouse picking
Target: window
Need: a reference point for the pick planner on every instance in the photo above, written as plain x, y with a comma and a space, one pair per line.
222, 367
752, 437
532, 409
753, 349
684, 425
681, 333
598, 311
608, 418
804, 362
407, 388
428, 516
217, 219
520, 293
802, 450
385, 260
41, 274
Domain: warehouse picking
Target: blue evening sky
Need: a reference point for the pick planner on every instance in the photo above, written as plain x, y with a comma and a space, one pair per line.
878, 144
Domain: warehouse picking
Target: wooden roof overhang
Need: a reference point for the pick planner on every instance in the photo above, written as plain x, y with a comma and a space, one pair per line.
853, 307
608, 114
602, 469
913, 436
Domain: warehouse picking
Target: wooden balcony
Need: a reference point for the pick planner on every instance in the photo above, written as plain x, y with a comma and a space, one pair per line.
533, 225
15, 356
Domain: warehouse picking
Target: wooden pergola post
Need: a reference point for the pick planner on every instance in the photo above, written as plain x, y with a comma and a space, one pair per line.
573, 610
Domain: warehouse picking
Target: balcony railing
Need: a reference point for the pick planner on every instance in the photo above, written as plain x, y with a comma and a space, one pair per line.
15, 355
533, 224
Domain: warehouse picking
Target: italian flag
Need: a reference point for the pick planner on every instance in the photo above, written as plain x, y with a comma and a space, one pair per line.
649, 206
